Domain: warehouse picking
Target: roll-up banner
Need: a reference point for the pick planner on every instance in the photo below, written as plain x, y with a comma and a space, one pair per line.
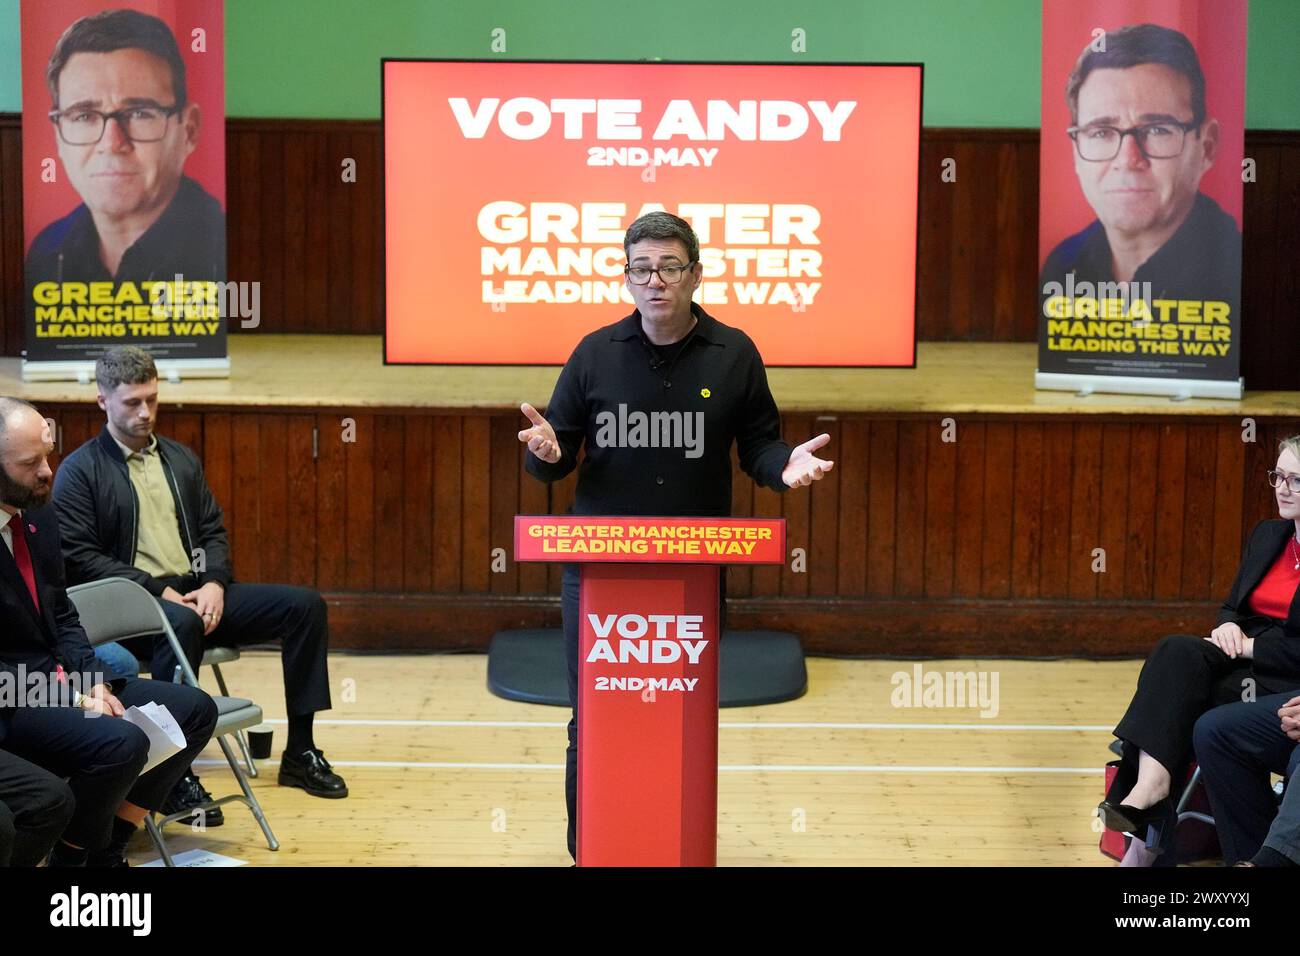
1140, 196
124, 185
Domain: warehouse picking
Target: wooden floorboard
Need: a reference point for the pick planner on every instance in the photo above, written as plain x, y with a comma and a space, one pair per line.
1012, 789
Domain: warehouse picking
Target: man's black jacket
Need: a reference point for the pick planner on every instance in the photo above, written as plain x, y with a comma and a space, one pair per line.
40, 640
99, 514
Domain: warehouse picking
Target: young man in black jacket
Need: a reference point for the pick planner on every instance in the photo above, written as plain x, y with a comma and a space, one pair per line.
136, 505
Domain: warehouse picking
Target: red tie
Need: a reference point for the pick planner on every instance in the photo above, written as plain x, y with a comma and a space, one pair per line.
23, 557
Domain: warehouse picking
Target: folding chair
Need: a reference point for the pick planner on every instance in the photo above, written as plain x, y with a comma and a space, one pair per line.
214, 657
116, 609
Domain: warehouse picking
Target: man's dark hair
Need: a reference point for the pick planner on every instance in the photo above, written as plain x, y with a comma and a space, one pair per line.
1134, 45
662, 225
117, 30
124, 365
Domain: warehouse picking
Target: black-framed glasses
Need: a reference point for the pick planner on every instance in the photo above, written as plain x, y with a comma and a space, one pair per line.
640, 275
1275, 478
1101, 144
140, 124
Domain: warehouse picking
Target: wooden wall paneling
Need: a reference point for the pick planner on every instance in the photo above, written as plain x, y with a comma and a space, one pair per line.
1260, 264
1200, 500
937, 200
271, 255
1229, 486
298, 253
1084, 481
417, 503
767, 580
447, 448
824, 516
219, 464
1010, 220
300, 514
938, 557
242, 516
973, 241
1026, 261
1171, 497
1055, 556
184, 427
853, 461
244, 219
341, 257
914, 439
272, 480
796, 508
77, 425
1143, 490
882, 507
505, 468
998, 510
318, 212
1027, 530
1115, 444
740, 579
391, 489
332, 532
965, 487
358, 505
475, 503
1285, 370
364, 201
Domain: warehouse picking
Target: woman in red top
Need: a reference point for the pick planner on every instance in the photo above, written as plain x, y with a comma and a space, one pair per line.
1254, 651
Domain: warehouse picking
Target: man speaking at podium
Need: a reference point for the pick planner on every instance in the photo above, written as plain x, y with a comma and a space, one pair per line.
658, 398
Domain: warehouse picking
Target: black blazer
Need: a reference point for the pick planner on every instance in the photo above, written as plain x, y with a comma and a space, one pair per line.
53, 636
1277, 646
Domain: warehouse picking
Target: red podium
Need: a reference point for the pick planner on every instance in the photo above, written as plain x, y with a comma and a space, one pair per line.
648, 675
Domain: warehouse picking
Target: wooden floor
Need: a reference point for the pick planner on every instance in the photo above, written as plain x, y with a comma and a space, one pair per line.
347, 371
442, 772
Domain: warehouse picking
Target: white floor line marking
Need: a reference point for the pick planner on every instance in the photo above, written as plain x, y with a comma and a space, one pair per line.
727, 768
730, 725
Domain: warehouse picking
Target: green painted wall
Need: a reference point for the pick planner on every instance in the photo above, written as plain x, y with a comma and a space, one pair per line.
319, 58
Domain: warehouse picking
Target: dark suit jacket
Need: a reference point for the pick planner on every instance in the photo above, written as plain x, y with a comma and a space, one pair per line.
53, 636
1277, 645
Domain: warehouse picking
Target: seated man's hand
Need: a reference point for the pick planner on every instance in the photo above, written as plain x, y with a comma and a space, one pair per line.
209, 602
1290, 714
171, 594
100, 702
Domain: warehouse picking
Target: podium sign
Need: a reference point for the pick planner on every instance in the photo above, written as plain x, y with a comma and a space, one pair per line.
648, 675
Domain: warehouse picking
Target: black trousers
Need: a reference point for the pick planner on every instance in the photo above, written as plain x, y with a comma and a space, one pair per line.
257, 614
35, 807
1237, 746
1183, 678
569, 586
102, 756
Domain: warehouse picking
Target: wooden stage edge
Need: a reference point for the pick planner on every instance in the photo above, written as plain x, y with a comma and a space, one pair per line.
346, 372
865, 627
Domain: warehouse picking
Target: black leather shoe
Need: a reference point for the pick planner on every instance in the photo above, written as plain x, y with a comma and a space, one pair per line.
189, 794
1154, 825
311, 771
